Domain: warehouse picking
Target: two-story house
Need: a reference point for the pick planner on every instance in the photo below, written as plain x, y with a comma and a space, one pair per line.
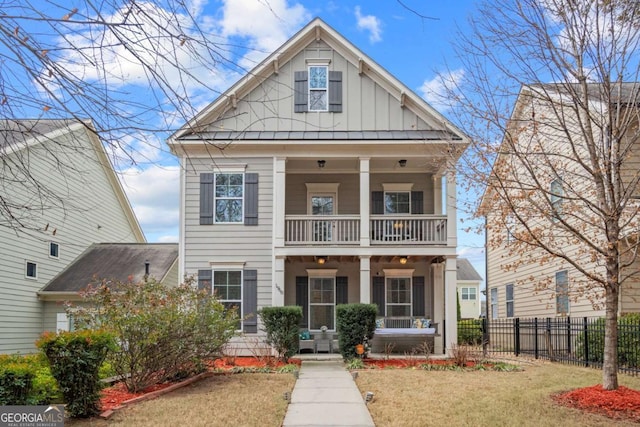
320, 179
545, 175
63, 195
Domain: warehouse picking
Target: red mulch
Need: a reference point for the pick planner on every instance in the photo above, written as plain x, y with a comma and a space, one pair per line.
620, 404
114, 396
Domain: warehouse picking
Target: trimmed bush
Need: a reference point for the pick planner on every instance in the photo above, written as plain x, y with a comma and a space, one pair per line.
163, 333
356, 324
628, 341
16, 382
27, 380
75, 359
281, 326
470, 332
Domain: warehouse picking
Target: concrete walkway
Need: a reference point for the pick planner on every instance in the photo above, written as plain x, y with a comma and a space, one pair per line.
326, 395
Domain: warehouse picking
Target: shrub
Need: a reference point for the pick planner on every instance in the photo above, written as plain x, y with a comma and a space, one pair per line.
27, 380
470, 332
75, 359
628, 341
163, 333
281, 326
356, 324
15, 383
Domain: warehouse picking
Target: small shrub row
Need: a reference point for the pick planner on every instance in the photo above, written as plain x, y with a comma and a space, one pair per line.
470, 332
356, 325
26, 380
281, 326
590, 346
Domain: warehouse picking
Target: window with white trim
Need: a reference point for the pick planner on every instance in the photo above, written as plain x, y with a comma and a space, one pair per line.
228, 197
54, 250
510, 224
31, 270
494, 303
397, 202
227, 286
509, 299
318, 88
322, 302
562, 293
556, 195
398, 300
469, 294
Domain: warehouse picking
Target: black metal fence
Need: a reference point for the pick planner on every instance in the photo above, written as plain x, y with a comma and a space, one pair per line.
578, 341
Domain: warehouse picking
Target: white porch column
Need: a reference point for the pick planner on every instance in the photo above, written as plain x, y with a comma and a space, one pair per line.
279, 172
437, 195
438, 305
277, 293
365, 279
452, 211
450, 303
364, 203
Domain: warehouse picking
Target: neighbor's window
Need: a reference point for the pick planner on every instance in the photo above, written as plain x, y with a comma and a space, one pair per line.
318, 88
227, 286
510, 223
54, 250
556, 191
562, 293
509, 299
494, 303
31, 270
322, 302
469, 294
398, 296
229, 197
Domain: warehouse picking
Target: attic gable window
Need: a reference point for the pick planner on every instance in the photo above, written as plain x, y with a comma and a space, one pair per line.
318, 88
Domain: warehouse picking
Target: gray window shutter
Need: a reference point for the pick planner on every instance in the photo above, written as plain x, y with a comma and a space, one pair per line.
302, 299
417, 202
251, 199
250, 300
300, 89
418, 296
206, 198
377, 294
342, 290
204, 280
377, 202
335, 91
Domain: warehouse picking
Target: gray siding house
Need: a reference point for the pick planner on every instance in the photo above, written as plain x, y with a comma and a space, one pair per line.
320, 179
73, 199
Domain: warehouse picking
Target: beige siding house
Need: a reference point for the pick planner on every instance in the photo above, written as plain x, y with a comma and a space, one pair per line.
320, 179
530, 283
74, 200
468, 287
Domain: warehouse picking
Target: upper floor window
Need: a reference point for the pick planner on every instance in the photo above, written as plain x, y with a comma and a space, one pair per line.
229, 197
562, 293
397, 202
556, 195
510, 223
468, 294
509, 299
31, 270
318, 88
54, 250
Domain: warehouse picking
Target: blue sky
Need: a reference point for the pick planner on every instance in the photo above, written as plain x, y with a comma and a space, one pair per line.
411, 48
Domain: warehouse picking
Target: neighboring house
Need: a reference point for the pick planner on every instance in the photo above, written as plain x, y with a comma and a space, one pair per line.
319, 179
468, 286
543, 286
73, 199
121, 262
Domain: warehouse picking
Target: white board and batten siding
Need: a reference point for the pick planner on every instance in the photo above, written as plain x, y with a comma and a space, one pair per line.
92, 213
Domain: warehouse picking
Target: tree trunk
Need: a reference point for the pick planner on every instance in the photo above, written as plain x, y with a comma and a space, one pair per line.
610, 364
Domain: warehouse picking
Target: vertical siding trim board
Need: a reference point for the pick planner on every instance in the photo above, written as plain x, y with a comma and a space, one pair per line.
300, 88
250, 300
251, 199
206, 198
342, 290
418, 296
302, 299
377, 294
335, 91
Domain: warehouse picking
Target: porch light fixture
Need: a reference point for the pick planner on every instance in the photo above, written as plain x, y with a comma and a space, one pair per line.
321, 260
402, 162
321, 163
403, 260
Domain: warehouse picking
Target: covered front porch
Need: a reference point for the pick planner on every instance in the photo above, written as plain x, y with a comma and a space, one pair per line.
406, 289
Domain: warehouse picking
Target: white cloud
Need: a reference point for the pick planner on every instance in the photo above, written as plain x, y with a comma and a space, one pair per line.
369, 23
435, 91
154, 195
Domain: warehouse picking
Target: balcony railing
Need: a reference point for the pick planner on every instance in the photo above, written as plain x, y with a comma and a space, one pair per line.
408, 230
322, 230
385, 230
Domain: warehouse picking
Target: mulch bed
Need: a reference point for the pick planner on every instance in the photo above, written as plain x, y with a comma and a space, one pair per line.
620, 404
408, 363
